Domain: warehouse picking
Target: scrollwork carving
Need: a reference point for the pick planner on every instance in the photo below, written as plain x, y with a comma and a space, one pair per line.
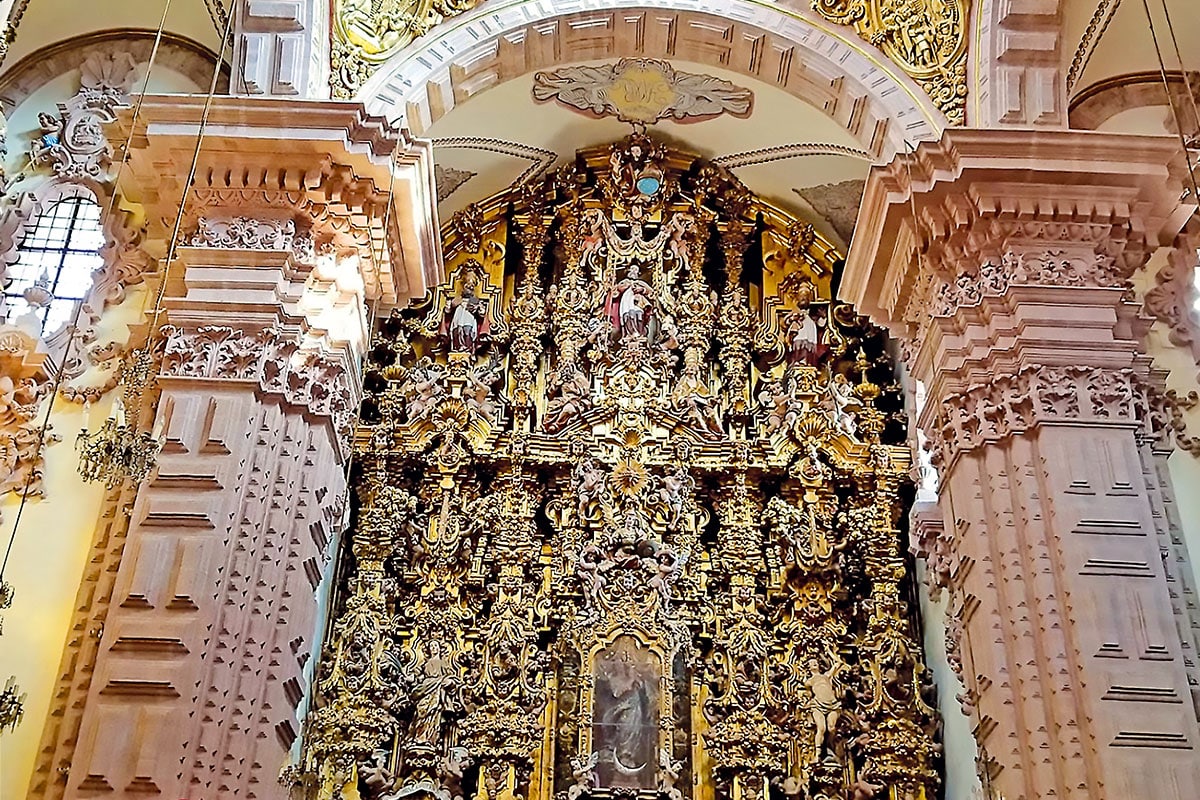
629, 491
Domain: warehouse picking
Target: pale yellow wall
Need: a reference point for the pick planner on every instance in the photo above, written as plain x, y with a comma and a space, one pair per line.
45, 568
55, 533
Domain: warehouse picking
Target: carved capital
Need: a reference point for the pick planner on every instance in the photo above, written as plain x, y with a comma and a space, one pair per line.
270, 359
988, 206
351, 181
1011, 405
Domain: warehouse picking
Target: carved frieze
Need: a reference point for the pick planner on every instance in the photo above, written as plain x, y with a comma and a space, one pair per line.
269, 358
1010, 405
642, 91
246, 233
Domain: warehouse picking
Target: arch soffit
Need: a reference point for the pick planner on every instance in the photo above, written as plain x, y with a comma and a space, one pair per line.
831, 69
1018, 75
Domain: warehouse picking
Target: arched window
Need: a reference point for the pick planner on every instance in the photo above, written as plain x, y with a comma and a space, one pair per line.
64, 247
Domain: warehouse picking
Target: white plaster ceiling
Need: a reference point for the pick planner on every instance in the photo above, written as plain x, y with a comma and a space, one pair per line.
1126, 45
508, 113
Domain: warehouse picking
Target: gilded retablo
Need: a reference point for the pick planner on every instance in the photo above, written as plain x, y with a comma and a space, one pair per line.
629, 486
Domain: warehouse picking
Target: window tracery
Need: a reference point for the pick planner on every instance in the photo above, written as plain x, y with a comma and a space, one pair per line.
629, 489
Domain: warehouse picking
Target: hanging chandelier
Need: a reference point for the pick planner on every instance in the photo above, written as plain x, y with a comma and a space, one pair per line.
119, 450
12, 706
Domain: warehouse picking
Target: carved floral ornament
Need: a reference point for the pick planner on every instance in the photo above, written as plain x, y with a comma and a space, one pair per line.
628, 485
368, 32
642, 91
925, 38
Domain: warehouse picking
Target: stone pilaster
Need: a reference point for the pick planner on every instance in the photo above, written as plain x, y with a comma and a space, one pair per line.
299, 219
1016, 317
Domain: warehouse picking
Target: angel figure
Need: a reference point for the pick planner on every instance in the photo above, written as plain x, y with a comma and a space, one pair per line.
48, 140
842, 400
671, 494
669, 772
668, 565
589, 485
583, 770
591, 568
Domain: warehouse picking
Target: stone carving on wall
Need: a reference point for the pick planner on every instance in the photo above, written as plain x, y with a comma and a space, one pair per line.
24, 383
73, 143
271, 358
245, 233
1012, 404
1172, 298
449, 180
642, 91
925, 38
367, 32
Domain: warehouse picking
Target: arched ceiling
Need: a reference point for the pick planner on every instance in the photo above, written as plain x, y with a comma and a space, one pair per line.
47, 22
785, 150
1110, 59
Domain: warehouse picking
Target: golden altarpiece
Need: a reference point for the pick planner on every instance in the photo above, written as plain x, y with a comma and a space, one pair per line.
629, 487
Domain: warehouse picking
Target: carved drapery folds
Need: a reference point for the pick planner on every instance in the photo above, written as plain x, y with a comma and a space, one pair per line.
926, 38
628, 491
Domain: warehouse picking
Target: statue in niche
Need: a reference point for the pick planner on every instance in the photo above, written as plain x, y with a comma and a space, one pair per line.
631, 307
693, 399
826, 703
574, 397
466, 321
436, 694
804, 333
625, 716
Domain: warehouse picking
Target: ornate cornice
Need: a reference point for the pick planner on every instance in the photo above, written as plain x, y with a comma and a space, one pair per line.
976, 192
341, 171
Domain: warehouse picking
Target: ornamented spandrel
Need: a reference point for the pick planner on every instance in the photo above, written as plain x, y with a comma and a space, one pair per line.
925, 38
367, 32
629, 482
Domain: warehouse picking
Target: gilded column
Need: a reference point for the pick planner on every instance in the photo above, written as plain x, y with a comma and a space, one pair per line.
1003, 264
206, 650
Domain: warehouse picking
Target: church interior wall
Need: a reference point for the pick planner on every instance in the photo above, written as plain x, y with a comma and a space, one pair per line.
50, 555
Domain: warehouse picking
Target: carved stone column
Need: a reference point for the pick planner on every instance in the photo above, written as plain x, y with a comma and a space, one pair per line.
205, 651
1010, 292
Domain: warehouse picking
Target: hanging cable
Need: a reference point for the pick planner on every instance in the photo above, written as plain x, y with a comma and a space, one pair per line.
1162, 68
73, 327
1187, 81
